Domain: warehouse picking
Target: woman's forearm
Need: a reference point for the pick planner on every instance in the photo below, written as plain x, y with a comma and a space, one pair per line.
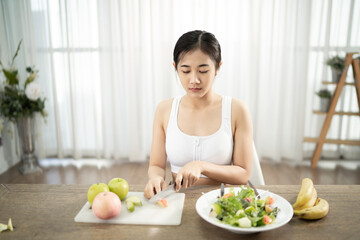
230, 174
156, 181
156, 171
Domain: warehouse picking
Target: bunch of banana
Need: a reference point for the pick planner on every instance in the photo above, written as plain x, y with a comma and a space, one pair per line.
308, 205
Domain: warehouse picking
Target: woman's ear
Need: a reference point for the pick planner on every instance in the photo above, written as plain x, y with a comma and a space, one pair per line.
218, 68
174, 65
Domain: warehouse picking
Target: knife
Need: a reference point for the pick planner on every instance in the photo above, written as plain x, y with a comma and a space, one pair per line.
164, 193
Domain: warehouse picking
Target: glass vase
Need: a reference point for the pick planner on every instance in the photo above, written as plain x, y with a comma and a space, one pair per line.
26, 132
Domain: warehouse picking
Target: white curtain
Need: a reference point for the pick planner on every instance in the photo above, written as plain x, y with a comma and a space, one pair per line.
105, 65
335, 30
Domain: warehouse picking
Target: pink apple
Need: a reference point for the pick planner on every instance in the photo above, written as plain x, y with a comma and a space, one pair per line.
106, 205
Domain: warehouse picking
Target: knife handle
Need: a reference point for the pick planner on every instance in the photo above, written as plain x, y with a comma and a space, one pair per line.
171, 182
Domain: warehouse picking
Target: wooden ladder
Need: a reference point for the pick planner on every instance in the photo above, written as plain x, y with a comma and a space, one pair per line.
322, 138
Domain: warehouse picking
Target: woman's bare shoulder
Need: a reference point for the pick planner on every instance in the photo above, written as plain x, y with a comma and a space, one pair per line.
163, 110
162, 114
239, 107
240, 114
165, 105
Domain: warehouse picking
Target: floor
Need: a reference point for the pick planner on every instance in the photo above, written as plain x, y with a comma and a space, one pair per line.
93, 171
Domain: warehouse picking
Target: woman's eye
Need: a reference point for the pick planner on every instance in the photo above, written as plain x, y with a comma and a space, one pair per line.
185, 71
204, 71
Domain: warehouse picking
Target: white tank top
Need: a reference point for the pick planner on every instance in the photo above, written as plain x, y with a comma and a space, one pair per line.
216, 148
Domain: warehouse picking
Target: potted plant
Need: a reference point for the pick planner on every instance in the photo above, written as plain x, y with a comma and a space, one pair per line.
19, 101
337, 65
325, 98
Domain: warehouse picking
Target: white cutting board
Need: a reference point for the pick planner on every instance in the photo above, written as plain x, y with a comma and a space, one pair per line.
147, 214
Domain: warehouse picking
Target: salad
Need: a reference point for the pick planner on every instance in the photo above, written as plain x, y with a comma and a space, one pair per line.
243, 209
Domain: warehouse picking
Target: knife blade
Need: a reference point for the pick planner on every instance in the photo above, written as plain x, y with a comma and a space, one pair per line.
164, 193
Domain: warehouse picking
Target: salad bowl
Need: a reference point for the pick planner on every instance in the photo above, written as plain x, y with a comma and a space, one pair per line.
203, 208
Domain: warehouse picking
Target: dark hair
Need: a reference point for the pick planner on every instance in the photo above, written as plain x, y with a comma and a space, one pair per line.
197, 39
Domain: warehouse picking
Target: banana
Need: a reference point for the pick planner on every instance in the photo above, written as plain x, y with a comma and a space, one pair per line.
318, 211
305, 194
310, 203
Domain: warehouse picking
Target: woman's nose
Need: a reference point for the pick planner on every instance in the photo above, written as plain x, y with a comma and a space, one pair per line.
194, 79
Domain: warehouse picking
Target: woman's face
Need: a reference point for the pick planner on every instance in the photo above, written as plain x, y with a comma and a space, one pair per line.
197, 72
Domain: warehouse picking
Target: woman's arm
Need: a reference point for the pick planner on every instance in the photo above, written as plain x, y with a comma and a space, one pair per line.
157, 164
240, 171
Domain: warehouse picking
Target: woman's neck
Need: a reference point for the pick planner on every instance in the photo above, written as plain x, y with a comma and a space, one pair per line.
203, 102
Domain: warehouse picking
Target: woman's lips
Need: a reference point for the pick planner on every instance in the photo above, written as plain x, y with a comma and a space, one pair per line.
194, 89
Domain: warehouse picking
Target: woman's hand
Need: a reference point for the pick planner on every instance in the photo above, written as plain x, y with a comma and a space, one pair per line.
188, 175
154, 186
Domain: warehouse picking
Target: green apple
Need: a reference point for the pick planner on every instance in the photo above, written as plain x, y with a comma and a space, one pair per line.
130, 206
134, 199
95, 189
119, 186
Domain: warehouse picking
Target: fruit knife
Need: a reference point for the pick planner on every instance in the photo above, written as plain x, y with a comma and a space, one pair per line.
164, 193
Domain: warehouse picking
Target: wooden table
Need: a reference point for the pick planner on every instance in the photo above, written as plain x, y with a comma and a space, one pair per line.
40, 211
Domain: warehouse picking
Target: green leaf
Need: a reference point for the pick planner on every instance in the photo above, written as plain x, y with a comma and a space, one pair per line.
11, 77
16, 53
336, 62
28, 80
324, 93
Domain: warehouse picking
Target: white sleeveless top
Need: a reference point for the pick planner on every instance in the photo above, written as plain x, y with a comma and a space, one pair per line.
216, 148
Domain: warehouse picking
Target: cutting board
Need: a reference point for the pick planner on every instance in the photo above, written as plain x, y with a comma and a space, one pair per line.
147, 214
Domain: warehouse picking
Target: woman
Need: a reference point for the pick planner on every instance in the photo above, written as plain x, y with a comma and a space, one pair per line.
206, 137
